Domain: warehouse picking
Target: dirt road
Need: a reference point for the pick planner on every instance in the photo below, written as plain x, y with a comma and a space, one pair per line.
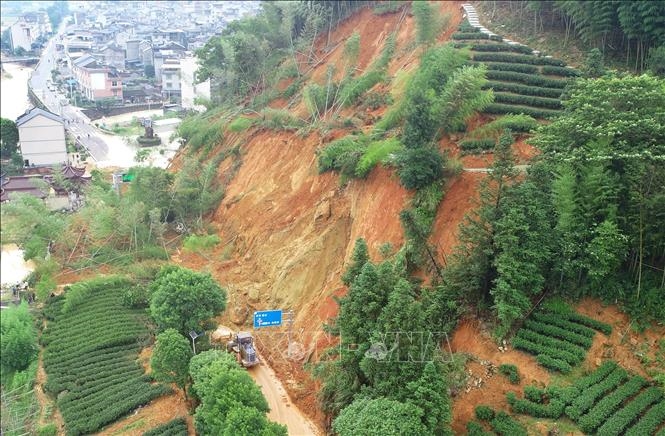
282, 410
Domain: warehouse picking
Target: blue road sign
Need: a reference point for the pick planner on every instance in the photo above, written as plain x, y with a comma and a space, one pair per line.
267, 318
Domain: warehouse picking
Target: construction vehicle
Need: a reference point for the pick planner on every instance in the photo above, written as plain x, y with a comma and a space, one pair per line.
243, 345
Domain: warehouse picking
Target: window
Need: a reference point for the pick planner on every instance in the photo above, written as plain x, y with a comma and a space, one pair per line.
169, 84
114, 83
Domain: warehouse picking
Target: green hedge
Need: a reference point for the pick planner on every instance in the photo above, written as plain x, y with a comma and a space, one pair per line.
527, 79
474, 428
589, 322
649, 422
466, 27
553, 410
484, 413
534, 394
558, 332
477, 144
606, 407
505, 66
555, 343
511, 372
517, 58
565, 394
529, 100
604, 370
538, 349
622, 419
553, 363
504, 424
176, 427
470, 35
517, 88
558, 321
585, 401
560, 71
491, 47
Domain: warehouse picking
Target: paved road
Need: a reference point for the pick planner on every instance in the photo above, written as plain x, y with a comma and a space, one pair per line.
75, 121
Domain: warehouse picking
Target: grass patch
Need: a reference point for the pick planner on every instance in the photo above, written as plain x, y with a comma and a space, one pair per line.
377, 152
240, 124
194, 243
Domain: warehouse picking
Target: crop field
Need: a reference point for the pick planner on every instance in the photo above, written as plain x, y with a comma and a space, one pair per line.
92, 343
523, 82
558, 340
607, 402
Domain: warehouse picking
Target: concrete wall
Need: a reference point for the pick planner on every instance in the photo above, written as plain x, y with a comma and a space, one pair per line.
42, 141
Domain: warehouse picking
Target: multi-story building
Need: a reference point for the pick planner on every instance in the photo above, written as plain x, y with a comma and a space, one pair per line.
97, 80
41, 138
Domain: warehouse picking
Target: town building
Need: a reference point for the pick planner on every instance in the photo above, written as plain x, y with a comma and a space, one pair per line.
97, 80
41, 138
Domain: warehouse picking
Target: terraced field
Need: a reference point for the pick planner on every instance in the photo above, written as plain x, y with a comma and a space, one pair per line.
92, 343
558, 340
523, 81
609, 402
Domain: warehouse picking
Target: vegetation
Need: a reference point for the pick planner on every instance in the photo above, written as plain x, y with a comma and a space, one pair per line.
511, 372
91, 357
9, 135
185, 300
175, 427
229, 401
170, 358
379, 416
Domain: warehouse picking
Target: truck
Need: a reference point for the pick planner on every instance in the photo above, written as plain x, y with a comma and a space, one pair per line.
243, 345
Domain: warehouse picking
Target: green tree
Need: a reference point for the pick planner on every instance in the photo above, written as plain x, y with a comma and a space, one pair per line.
379, 416
184, 300
594, 65
429, 393
426, 22
656, 60
359, 258
420, 167
8, 138
18, 338
149, 71
170, 358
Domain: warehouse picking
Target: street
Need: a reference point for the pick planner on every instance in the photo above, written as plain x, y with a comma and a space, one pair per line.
75, 121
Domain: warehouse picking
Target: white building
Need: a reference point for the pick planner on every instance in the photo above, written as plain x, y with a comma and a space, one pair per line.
190, 90
171, 78
41, 138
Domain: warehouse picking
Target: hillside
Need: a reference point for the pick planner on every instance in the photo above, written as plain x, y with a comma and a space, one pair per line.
454, 220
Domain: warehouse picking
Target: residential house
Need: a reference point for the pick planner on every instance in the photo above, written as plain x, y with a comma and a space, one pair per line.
189, 89
97, 80
28, 30
114, 56
41, 138
171, 79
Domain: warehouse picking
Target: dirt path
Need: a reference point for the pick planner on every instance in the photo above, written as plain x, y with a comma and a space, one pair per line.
282, 410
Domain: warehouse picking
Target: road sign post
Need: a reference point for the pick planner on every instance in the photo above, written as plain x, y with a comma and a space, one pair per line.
267, 318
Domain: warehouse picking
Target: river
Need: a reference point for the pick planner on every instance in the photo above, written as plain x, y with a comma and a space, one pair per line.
14, 91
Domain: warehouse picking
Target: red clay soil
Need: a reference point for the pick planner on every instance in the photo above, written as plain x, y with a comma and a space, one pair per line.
471, 338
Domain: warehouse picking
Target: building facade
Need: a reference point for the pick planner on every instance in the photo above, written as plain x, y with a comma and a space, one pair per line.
41, 138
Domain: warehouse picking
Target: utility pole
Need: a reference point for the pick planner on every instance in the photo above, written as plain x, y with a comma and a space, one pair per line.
290, 321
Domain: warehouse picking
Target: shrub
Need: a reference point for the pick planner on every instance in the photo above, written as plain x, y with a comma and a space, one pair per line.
377, 152
524, 89
498, 108
554, 343
420, 166
48, 430
240, 124
194, 243
176, 427
149, 142
589, 396
564, 394
471, 145
649, 422
474, 428
622, 419
136, 296
558, 332
356, 88
470, 35
597, 376
527, 79
589, 322
552, 410
491, 47
517, 58
560, 71
510, 371
519, 68
484, 413
553, 363
279, 119
605, 407
514, 123
538, 349
505, 425
534, 394
388, 7
558, 321
343, 154
528, 100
